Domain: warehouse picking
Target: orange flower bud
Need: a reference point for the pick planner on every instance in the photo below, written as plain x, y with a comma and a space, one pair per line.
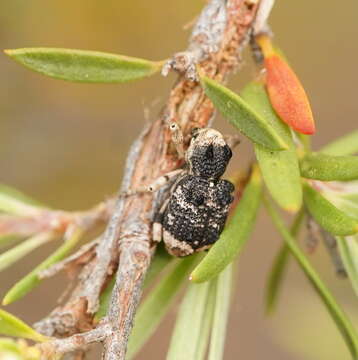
286, 93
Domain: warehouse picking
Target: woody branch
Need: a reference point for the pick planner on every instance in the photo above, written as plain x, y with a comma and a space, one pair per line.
216, 45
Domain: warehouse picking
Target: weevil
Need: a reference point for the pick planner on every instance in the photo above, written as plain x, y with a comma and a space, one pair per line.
194, 213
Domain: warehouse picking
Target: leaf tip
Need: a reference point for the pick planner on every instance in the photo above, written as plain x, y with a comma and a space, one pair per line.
8, 298
5, 301
292, 208
9, 52
194, 277
256, 174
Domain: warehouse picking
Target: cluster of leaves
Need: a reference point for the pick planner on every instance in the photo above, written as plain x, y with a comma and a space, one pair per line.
274, 113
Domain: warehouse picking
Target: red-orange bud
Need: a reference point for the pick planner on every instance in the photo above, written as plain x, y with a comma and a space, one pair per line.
286, 93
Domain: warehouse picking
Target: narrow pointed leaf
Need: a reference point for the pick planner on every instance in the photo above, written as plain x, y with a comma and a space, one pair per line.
345, 145
287, 95
242, 115
221, 314
160, 261
10, 325
351, 195
104, 300
348, 249
235, 234
327, 215
15, 202
344, 195
18, 350
325, 167
6, 240
190, 319
279, 267
343, 323
275, 279
84, 66
343, 203
207, 323
31, 280
18, 252
155, 306
8, 347
279, 169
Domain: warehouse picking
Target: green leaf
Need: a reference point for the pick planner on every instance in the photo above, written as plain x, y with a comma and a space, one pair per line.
8, 344
327, 215
275, 279
328, 167
31, 280
348, 249
346, 145
84, 66
15, 202
104, 300
157, 303
206, 325
189, 323
277, 273
160, 261
6, 240
279, 169
242, 116
343, 323
18, 252
235, 234
9, 349
12, 326
221, 314
351, 195
343, 201
18, 350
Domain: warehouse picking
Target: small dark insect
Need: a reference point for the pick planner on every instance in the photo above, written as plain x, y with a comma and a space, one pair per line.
193, 216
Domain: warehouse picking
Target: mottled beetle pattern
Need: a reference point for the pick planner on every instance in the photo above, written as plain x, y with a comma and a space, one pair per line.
194, 215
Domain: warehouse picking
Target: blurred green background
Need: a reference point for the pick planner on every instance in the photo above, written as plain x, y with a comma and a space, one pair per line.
65, 144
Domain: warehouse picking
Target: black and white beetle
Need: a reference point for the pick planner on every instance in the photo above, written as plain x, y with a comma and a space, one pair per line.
194, 214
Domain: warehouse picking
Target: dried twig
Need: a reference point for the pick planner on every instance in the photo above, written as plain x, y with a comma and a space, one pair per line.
59, 221
84, 251
216, 43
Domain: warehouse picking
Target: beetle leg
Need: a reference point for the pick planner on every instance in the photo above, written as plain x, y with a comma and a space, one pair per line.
177, 138
157, 229
232, 140
155, 185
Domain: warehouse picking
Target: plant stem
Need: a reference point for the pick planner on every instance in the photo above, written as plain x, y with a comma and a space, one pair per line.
342, 321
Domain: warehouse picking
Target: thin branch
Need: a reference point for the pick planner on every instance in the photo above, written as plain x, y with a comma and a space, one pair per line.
85, 250
44, 220
73, 343
189, 107
217, 41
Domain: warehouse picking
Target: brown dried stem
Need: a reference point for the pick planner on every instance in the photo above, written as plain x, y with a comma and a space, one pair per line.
216, 45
